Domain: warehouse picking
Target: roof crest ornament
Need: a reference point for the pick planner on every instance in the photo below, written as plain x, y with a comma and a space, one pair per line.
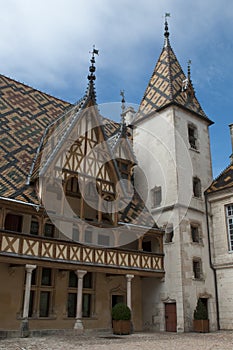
91, 77
123, 124
166, 32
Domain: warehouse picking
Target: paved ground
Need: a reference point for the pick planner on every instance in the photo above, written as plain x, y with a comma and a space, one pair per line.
138, 341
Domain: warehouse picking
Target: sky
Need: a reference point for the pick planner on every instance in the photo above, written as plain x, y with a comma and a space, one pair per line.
46, 44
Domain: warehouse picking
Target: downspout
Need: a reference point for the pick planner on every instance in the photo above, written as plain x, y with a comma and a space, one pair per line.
211, 263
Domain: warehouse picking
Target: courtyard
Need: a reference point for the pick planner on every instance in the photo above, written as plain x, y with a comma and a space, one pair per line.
144, 341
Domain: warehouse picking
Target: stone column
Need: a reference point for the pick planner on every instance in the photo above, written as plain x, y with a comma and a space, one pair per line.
78, 321
129, 299
24, 323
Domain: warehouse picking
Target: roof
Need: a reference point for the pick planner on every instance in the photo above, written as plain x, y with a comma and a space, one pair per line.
223, 181
27, 118
24, 114
169, 85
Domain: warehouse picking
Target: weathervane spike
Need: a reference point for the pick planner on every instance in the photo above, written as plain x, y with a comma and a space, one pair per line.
166, 32
122, 93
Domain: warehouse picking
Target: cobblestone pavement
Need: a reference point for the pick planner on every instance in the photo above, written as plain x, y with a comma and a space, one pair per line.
142, 341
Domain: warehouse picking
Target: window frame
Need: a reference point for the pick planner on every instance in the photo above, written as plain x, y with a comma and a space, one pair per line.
197, 272
37, 290
88, 290
193, 139
197, 188
229, 234
156, 197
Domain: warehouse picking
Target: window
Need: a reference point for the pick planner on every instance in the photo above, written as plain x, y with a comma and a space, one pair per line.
229, 215
13, 222
103, 240
169, 233
88, 292
49, 230
192, 135
88, 236
196, 187
72, 187
197, 269
34, 229
195, 233
156, 196
41, 293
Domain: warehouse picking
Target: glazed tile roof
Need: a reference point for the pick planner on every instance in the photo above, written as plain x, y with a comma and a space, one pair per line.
27, 118
24, 114
223, 181
169, 85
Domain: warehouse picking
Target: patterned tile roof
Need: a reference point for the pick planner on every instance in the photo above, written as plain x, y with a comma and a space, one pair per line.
27, 118
24, 114
169, 85
223, 181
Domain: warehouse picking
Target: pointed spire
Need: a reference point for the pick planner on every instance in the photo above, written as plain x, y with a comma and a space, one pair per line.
166, 32
169, 85
123, 124
91, 77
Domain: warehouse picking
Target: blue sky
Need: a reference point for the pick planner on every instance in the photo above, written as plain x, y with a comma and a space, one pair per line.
46, 44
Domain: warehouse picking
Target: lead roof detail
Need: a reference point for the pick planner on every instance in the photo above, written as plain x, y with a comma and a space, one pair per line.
169, 85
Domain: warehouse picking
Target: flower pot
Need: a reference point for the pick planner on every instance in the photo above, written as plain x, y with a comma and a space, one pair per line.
201, 326
122, 327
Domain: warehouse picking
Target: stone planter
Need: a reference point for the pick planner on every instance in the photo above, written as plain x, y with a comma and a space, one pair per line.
201, 326
121, 327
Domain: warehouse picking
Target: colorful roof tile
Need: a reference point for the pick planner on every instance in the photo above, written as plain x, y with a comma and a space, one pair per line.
169, 85
223, 181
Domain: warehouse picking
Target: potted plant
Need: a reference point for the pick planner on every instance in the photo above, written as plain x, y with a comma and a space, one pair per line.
200, 322
121, 316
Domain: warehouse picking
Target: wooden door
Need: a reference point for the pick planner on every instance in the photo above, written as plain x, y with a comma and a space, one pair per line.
170, 317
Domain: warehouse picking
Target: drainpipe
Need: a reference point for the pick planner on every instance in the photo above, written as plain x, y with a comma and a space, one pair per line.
211, 263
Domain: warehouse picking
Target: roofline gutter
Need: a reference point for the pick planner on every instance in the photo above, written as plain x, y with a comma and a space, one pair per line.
36, 206
211, 263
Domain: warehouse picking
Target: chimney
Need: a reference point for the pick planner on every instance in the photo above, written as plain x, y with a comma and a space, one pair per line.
231, 133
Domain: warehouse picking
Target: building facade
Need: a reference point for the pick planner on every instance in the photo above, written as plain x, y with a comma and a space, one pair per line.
219, 197
94, 212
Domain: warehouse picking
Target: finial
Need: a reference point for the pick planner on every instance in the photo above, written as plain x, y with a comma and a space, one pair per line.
122, 93
166, 32
189, 69
91, 77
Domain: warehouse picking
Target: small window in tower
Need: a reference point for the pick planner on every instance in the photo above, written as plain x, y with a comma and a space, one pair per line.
192, 135
196, 187
197, 269
72, 187
195, 233
169, 233
156, 196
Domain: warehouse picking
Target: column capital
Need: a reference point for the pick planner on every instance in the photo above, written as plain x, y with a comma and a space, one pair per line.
80, 273
30, 268
129, 277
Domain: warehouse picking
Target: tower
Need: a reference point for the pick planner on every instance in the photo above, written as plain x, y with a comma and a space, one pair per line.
171, 128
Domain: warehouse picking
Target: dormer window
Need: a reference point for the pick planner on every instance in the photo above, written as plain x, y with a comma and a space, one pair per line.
72, 187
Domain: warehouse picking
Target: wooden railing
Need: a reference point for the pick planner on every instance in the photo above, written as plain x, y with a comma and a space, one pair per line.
27, 246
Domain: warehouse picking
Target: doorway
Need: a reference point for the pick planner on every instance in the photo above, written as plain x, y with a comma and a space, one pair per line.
117, 298
170, 317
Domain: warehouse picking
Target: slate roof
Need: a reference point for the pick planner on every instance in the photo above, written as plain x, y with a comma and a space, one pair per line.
223, 181
169, 85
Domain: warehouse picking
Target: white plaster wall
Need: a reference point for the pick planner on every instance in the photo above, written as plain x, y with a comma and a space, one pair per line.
222, 257
170, 163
